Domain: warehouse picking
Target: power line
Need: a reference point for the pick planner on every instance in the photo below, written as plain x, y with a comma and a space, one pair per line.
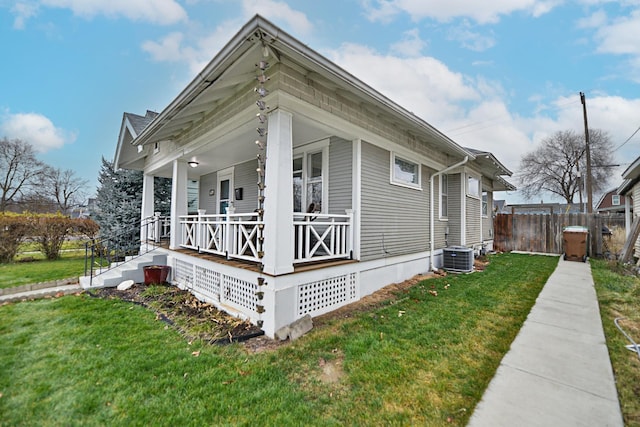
627, 140
476, 126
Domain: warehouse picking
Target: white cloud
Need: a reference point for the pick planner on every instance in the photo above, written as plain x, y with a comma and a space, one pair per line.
470, 39
423, 84
196, 48
279, 11
620, 36
595, 20
410, 45
163, 12
196, 54
482, 12
35, 129
168, 49
23, 11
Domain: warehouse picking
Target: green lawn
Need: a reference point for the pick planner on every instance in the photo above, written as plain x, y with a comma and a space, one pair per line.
417, 360
619, 297
71, 264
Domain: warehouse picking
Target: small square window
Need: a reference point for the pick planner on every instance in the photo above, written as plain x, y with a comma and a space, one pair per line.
473, 186
405, 172
615, 200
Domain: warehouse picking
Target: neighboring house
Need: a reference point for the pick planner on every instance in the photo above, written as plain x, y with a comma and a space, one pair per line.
630, 190
501, 207
611, 203
313, 189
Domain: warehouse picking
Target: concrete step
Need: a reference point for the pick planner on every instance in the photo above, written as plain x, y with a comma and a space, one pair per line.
129, 270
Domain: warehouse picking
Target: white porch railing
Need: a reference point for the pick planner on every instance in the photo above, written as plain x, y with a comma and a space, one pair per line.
321, 237
156, 228
233, 235
317, 237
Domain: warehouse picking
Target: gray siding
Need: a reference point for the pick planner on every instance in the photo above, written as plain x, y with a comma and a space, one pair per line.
455, 210
394, 219
207, 202
246, 177
340, 175
472, 221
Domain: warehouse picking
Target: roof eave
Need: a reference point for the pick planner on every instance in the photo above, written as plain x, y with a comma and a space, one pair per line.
218, 63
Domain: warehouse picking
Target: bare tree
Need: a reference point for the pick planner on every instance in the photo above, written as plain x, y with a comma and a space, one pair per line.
558, 165
64, 187
19, 169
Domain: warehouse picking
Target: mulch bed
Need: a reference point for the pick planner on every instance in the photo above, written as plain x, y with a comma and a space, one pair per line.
195, 319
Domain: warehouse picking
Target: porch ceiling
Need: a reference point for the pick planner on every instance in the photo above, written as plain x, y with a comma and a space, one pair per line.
239, 146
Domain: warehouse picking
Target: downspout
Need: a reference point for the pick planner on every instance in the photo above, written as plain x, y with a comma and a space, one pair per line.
431, 215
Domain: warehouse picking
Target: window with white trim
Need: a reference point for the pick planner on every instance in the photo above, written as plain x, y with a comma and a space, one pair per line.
473, 186
444, 196
405, 172
615, 200
310, 165
485, 203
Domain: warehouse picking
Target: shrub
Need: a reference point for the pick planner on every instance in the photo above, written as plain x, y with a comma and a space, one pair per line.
14, 229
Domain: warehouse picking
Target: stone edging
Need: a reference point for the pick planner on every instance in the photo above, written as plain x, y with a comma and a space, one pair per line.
38, 286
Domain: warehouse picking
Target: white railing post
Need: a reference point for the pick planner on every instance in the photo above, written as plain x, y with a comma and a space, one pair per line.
157, 230
200, 229
349, 233
228, 231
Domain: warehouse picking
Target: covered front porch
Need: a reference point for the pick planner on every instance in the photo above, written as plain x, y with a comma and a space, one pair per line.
316, 237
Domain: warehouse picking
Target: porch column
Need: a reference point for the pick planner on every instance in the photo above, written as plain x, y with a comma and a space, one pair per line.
278, 195
147, 204
178, 201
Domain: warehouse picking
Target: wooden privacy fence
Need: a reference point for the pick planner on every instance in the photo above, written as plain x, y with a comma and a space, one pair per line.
543, 233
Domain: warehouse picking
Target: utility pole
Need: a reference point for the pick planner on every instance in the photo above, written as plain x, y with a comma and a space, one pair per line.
588, 152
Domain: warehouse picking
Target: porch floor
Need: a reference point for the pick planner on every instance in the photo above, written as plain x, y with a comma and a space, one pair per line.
253, 266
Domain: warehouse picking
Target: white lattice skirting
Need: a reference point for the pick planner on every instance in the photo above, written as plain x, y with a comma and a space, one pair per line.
313, 298
215, 286
324, 295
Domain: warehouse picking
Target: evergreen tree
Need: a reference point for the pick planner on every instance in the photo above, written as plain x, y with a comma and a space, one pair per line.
119, 204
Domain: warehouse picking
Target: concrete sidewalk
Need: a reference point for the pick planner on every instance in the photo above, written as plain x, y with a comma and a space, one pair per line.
557, 372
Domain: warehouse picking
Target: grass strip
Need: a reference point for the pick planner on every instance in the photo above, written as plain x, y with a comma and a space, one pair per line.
40, 270
618, 292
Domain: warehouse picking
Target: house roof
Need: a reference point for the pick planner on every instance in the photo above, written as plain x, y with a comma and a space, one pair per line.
235, 65
140, 122
132, 125
630, 176
492, 168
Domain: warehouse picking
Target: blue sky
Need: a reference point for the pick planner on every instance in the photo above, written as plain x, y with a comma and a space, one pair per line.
497, 76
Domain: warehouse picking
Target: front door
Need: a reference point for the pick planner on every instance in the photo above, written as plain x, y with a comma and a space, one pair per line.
225, 193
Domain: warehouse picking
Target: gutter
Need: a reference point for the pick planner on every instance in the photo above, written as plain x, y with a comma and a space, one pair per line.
431, 215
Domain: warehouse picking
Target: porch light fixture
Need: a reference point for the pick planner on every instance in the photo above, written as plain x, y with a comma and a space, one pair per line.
261, 118
260, 144
261, 91
263, 65
193, 164
262, 78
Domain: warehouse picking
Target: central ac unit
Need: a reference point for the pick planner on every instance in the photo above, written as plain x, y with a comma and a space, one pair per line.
458, 259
